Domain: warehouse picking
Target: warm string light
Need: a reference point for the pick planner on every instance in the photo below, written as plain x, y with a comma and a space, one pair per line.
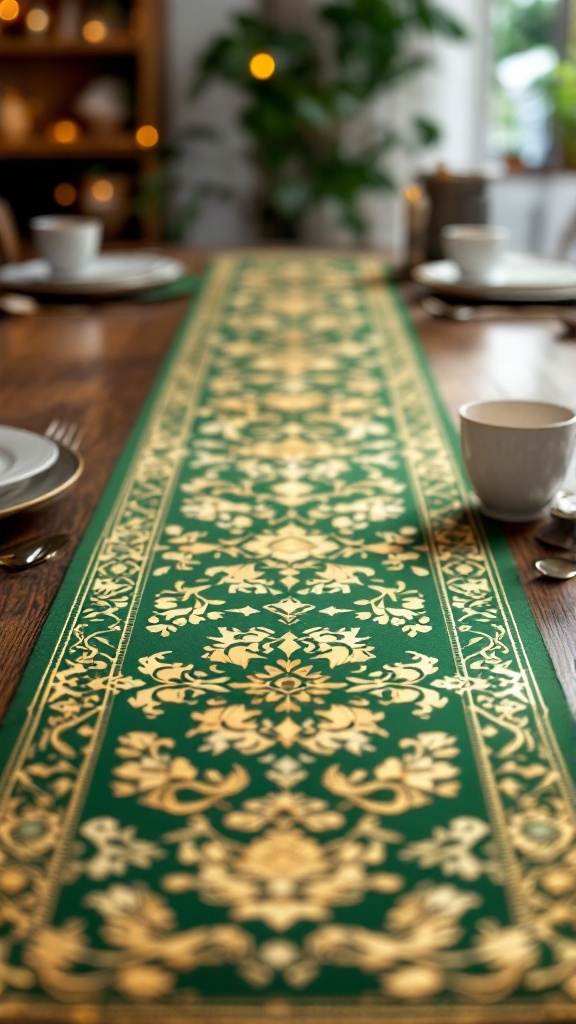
413, 193
9, 10
262, 66
95, 30
65, 194
38, 20
102, 190
64, 131
147, 136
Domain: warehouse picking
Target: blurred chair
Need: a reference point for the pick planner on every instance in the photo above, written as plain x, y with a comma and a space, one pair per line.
539, 209
10, 245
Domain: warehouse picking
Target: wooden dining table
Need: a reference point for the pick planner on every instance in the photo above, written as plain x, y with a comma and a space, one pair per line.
95, 364
150, 716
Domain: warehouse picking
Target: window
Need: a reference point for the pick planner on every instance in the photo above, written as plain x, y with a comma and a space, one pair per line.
529, 39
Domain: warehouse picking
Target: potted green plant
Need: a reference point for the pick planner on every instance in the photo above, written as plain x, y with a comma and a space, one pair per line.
560, 89
305, 108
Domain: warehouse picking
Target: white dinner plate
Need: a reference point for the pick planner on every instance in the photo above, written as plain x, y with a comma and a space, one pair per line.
522, 277
23, 454
110, 274
42, 488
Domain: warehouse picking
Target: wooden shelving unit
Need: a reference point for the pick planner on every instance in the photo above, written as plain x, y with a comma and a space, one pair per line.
44, 75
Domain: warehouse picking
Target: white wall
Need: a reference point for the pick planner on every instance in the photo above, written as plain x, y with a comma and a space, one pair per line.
457, 91
454, 94
192, 25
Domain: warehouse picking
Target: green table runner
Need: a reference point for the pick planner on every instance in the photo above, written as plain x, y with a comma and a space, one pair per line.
290, 743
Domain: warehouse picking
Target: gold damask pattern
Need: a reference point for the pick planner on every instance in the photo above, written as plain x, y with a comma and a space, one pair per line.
291, 750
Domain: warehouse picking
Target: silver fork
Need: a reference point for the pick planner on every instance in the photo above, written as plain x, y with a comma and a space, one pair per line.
67, 434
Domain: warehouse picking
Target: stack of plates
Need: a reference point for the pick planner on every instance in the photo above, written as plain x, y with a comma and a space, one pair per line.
111, 274
33, 469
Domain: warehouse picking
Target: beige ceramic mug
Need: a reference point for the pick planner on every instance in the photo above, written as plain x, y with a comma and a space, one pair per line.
477, 249
517, 454
69, 243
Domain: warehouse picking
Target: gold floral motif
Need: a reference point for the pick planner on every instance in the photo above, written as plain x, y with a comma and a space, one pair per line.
425, 771
336, 579
117, 848
291, 554
234, 515
182, 606
174, 683
243, 578
283, 876
337, 647
400, 548
12, 977
224, 727
289, 551
428, 918
396, 606
235, 727
185, 549
157, 779
19, 884
285, 772
291, 544
402, 683
145, 954
455, 849
300, 701
288, 808
357, 514
289, 610
289, 684
416, 955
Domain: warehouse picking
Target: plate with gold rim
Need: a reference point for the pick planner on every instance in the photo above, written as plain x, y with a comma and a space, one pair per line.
44, 487
23, 454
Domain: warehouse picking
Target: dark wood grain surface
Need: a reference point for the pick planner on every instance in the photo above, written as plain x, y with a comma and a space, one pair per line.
95, 365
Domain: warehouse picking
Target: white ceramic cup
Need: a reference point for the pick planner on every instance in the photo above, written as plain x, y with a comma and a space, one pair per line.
477, 249
517, 454
70, 244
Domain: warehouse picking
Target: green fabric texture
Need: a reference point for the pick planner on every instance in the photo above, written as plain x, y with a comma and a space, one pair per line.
180, 288
290, 743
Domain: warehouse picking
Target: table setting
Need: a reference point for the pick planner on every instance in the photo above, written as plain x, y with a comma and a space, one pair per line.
37, 468
468, 270
295, 737
69, 264
511, 277
110, 275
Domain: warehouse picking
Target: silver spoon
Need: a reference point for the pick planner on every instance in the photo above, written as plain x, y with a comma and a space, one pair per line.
462, 313
32, 551
556, 568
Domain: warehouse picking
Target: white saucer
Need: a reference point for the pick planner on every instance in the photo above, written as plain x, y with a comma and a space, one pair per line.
23, 454
42, 487
110, 274
520, 277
